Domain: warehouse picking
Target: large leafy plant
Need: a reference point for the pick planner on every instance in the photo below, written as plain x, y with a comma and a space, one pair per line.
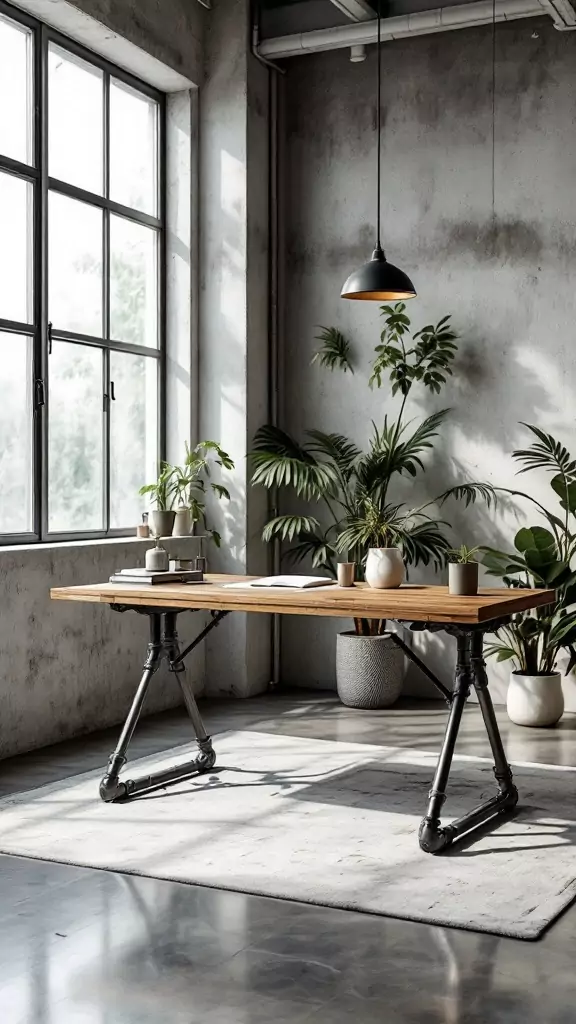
542, 557
352, 490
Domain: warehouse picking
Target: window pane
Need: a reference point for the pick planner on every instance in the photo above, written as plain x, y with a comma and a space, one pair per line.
133, 435
133, 282
75, 265
15, 434
75, 438
16, 221
75, 120
16, 91
133, 148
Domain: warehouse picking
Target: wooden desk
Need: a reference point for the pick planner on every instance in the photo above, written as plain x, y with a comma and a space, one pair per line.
420, 607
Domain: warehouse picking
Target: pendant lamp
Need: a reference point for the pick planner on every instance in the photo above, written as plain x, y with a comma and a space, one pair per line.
378, 280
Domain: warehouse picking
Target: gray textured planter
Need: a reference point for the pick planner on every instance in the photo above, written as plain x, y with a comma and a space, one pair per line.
161, 523
369, 671
463, 578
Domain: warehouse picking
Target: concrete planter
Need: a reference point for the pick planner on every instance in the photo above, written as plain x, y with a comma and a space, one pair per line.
369, 670
384, 568
463, 578
535, 701
161, 523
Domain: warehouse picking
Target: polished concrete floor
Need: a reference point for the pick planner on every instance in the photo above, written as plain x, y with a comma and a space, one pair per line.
79, 946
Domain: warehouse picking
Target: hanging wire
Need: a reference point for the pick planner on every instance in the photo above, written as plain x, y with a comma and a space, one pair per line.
494, 120
378, 120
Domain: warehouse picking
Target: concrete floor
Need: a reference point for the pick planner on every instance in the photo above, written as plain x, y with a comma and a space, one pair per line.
79, 946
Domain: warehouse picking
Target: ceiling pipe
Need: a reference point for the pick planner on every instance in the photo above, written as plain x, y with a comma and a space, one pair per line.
442, 19
562, 13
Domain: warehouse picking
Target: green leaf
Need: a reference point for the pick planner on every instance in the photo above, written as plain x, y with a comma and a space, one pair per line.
334, 352
566, 491
535, 537
289, 527
221, 491
279, 461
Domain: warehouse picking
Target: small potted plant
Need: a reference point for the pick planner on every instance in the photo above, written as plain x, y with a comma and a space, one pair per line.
161, 494
462, 571
190, 483
543, 556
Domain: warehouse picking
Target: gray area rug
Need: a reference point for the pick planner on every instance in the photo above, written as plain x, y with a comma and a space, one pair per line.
321, 822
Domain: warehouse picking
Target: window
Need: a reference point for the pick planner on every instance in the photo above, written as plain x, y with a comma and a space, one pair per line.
81, 287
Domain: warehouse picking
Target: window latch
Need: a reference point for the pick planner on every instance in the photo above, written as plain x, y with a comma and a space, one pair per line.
112, 392
40, 393
49, 337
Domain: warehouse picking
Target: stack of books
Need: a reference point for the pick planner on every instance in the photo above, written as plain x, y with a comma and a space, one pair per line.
153, 576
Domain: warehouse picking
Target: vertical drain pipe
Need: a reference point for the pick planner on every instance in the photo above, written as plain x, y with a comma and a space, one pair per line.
275, 376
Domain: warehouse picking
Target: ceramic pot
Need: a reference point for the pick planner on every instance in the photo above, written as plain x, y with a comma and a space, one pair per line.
535, 700
463, 578
369, 670
384, 568
183, 523
161, 523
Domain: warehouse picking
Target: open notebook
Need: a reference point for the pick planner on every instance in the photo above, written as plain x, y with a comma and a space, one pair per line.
297, 582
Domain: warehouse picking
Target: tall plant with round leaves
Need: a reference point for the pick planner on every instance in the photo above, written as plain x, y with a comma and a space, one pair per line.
543, 557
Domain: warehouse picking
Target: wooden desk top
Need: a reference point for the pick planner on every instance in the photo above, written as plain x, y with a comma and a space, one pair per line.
414, 602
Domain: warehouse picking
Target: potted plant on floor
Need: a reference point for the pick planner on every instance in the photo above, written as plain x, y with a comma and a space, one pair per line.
463, 571
352, 492
191, 481
161, 494
542, 557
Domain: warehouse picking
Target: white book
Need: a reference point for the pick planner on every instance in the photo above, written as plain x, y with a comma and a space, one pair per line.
296, 582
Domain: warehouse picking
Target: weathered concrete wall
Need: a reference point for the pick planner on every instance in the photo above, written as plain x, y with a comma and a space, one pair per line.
170, 30
511, 292
65, 668
233, 350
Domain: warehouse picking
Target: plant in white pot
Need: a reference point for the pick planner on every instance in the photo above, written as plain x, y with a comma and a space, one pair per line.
161, 494
191, 481
352, 491
543, 557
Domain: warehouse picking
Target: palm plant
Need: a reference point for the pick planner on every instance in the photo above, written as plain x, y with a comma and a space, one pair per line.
191, 480
542, 558
353, 488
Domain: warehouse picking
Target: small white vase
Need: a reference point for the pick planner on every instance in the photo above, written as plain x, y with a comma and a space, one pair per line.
384, 568
535, 700
183, 523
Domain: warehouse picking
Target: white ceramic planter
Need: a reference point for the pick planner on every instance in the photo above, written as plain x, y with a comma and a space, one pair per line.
384, 568
183, 523
535, 700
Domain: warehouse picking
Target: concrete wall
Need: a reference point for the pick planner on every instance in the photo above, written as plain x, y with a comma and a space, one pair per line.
65, 668
170, 30
233, 350
510, 290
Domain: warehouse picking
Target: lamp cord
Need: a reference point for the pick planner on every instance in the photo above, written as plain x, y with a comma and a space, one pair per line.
494, 118
378, 120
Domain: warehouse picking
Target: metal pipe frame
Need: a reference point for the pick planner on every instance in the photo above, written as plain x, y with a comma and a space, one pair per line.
470, 671
163, 644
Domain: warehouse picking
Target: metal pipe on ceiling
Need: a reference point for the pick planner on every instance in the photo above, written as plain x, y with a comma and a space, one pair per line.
442, 19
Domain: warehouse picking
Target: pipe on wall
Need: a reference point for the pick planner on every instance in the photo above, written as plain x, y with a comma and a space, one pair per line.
442, 19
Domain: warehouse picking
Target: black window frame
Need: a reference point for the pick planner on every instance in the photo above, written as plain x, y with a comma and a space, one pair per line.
41, 331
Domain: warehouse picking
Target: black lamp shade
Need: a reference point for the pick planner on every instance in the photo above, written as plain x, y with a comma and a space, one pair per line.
378, 280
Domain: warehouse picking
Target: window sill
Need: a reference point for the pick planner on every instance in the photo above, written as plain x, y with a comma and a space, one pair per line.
174, 545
